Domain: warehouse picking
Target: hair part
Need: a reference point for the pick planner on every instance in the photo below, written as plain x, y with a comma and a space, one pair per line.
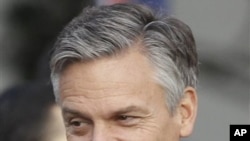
105, 31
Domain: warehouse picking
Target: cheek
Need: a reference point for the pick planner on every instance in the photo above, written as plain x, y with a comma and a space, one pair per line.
147, 131
73, 138
87, 137
161, 128
170, 131
137, 134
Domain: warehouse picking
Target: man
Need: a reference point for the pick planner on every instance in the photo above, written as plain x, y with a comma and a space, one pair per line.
121, 74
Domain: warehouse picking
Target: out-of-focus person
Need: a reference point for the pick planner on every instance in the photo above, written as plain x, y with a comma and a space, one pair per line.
28, 113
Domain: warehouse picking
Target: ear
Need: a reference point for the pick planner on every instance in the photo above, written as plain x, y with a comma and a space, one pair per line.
188, 110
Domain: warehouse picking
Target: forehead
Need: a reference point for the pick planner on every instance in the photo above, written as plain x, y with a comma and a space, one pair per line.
129, 67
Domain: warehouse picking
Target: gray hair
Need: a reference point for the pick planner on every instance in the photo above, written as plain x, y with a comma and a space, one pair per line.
104, 31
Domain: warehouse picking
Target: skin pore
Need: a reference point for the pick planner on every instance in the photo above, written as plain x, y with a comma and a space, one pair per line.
117, 99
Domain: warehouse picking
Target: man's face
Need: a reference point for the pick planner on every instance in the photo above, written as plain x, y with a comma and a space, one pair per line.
115, 99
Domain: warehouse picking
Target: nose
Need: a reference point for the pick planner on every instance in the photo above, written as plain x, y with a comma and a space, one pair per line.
102, 132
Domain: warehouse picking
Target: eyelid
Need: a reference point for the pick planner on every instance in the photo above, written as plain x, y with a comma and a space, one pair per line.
130, 121
127, 116
79, 119
69, 122
69, 116
75, 119
77, 126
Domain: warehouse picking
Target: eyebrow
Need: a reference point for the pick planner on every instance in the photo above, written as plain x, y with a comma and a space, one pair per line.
66, 110
125, 110
129, 109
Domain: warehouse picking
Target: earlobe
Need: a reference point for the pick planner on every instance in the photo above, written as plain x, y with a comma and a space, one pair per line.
188, 110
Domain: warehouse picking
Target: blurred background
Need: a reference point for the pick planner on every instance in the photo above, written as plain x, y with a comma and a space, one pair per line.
221, 28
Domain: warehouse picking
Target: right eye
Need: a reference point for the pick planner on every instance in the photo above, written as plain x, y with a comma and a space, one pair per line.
76, 123
77, 126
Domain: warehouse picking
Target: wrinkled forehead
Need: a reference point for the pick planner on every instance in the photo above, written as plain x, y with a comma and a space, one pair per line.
129, 62
129, 71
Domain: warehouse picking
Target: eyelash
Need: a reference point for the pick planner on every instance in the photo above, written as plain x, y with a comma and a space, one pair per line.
77, 126
127, 121
74, 122
124, 117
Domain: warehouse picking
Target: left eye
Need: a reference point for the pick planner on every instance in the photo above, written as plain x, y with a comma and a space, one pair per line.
124, 117
125, 120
